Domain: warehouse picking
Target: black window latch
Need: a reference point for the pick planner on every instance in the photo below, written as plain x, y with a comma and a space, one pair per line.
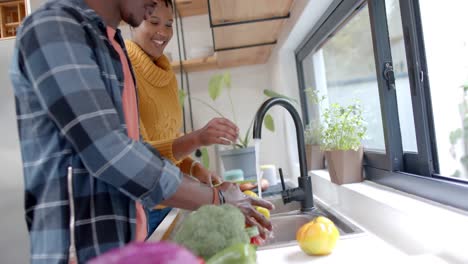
389, 75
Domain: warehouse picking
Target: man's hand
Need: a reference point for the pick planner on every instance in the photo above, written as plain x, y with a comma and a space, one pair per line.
217, 131
234, 196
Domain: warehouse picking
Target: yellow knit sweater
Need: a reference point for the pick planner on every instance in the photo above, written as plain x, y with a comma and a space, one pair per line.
158, 102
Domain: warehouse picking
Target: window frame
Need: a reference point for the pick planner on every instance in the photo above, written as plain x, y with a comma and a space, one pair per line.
415, 173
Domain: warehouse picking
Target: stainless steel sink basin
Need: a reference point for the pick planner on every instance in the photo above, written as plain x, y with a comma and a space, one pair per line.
287, 219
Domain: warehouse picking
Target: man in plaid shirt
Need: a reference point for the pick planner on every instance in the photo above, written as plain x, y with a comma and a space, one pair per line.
83, 173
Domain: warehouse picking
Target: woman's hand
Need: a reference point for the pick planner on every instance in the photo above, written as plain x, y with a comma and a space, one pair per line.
217, 131
204, 175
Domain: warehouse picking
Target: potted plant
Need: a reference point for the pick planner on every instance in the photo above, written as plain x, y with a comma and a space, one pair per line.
341, 136
241, 155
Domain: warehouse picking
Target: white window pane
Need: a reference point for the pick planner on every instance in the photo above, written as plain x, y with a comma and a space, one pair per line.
446, 42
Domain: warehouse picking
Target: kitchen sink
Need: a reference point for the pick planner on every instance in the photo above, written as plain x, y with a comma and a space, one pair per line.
287, 219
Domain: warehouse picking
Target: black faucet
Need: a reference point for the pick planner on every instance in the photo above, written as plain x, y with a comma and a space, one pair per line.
303, 193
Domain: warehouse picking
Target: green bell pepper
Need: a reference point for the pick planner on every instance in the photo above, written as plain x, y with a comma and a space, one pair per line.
235, 254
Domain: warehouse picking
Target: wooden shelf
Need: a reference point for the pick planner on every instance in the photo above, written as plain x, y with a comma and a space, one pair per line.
194, 65
255, 23
223, 11
11, 15
245, 56
228, 11
227, 59
244, 23
192, 7
247, 34
11, 3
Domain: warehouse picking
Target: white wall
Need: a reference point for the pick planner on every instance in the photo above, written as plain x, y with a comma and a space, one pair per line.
196, 34
14, 245
13, 238
34, 4
10, 161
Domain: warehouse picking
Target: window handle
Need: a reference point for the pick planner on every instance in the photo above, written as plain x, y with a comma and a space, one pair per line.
389, 75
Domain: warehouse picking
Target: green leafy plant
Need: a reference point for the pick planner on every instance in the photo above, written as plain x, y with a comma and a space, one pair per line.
314, 96
217, 84
313, 130
312, 134
343, 127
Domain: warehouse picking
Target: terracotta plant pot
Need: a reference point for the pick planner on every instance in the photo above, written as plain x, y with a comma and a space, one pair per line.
315, 157
345, 166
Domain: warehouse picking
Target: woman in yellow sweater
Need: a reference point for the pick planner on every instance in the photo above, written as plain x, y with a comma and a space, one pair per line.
160, 112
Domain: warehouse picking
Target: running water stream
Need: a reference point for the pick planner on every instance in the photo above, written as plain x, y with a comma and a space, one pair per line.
257, 166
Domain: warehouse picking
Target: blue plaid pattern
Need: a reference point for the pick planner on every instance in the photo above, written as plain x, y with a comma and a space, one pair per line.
68, 84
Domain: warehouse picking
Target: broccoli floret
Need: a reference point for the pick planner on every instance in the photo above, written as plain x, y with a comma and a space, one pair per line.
211, 229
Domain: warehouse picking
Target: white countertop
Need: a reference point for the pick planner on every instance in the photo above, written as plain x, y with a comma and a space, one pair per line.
363, 248
394, 233
359, 249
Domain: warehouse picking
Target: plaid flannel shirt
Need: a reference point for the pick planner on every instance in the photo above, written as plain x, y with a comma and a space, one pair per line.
82, 173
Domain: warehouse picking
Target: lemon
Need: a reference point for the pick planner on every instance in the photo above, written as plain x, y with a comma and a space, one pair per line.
318, 237
265, 212
250, 193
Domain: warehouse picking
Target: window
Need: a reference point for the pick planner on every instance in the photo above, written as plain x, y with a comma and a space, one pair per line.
410, 72
343, 70
447, 40
11, 15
